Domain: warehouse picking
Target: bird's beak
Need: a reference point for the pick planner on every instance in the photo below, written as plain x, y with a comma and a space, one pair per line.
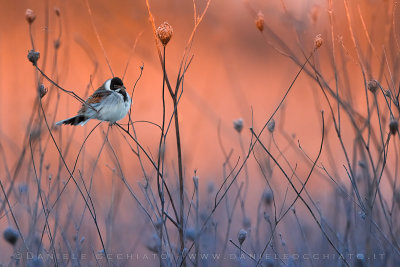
121, 88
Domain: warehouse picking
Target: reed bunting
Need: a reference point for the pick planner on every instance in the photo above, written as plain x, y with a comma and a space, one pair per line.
108, 103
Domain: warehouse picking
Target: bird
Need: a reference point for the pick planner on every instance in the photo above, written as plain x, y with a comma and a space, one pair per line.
109, 103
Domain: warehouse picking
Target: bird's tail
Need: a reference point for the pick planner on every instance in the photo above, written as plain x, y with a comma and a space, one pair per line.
78, 119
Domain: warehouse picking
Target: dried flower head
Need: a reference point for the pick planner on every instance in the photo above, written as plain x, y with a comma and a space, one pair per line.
30, 16
164, 33
238, 125
318, 41
33, 56
42, 90
373, 86
154, 244
393, 126
260, 21
57, 44
191, 234
11, 235
267, 197
242, 236
57, 11
246, 222
271, 125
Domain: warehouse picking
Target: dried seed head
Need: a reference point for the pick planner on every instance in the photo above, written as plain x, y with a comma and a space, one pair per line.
362, 164
158, 224
11, 235
271, 125
30, 16
57, 44
318, 41
260, 21
393, 126
373, 86
191, 234
246, 222
154, 244
242, 236
267, 197
164, 33
42, 90
57, 11
238, 125
23, 188
33, 56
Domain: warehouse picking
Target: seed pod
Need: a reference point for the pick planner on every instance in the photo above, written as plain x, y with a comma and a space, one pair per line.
260, 21
271, 125
33, 56
267, 197
57, 44
238, 125
242, 236
30, 16
57, 11
164, 33
373, 86
393, 126
318, 41
42, 90
11, 235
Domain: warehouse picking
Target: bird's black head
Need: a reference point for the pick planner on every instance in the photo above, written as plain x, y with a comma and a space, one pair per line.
116, 83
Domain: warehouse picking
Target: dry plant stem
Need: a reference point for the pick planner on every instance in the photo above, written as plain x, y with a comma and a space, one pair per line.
73, 169
45, 209
331, 20
12, 214
71, 93
216, 203
247, 254
161, 154
181, 185
133, 90
131, 53
301, 198
98, 36
126, 183
153, 164
73, 178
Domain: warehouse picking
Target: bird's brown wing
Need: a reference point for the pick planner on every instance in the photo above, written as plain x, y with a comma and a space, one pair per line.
94, 99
